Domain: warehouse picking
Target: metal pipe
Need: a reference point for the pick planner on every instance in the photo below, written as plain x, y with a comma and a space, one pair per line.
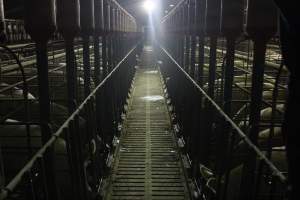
231, 27
109, 37
86, 65
261, 26
212, 30
99, 31
104, 56
69, 27
192, 25
208, 108
200, 32
255, 108
87, 29
44, 103
239, 132
212, 66
12, 185
2, 23
97, 74
35, 21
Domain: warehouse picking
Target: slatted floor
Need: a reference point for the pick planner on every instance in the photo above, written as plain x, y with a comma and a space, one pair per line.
147, 163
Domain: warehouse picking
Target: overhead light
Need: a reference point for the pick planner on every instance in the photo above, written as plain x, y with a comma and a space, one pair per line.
149, 5
171, 5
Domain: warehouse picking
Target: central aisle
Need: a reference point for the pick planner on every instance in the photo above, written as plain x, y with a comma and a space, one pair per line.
147, 164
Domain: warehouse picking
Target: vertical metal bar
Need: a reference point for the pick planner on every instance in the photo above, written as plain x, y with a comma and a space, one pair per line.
42, 174
87, 22
99, 31
44, 102
97, 78
86, 65
97, 60
192, 16
71, 75
224, 153
2, 175
261, 26
231, 27
44, 98
229, 72
182, 36
104, 56
188, 38
30, 193
200, 59
109, 37
248, 180
2, 23
187, 52
72, 97
72, 166
212, 30
290, 41
200, 31
232, 14
212, 66
110, 55
105, 37
193, 56
76, 149
91, 138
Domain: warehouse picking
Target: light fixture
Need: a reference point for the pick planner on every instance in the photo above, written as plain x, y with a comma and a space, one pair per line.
149, 5
171, 5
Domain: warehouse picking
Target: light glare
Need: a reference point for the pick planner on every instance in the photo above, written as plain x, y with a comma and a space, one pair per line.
148, 5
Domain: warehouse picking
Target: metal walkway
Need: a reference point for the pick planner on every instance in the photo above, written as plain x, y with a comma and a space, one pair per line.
147, 163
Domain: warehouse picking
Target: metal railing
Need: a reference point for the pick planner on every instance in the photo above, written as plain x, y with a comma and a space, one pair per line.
85, 121
216, 166
227, 96
70, 163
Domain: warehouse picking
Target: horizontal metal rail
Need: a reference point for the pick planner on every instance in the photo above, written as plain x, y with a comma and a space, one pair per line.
9, 68
17, 179
268, 63
235, 127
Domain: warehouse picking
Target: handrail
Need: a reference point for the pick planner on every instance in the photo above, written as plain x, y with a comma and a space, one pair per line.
17, 179
171, 12
243, 136
26, 63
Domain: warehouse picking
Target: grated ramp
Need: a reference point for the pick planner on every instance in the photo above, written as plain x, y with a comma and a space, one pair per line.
147, 163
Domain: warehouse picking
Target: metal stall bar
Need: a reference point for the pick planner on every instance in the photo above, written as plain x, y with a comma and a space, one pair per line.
231, 28
2, 23
69, 26
192, 19
212, 30
69, 125
78, 178
181, 72
187, 41
183, 98
36, 20
261, 26
87, 23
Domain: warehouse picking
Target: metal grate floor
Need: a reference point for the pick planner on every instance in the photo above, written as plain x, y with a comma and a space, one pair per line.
147, 163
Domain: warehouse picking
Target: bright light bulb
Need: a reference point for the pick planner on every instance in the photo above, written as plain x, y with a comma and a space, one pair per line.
149, 5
